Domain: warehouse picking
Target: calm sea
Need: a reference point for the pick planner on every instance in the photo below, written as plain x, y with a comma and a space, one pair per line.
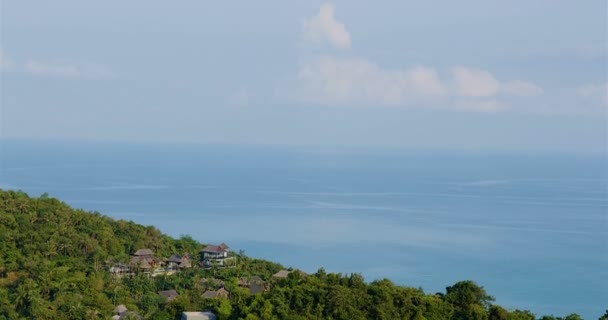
531, 228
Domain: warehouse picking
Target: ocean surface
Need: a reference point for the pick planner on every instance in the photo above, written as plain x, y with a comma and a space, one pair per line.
531, 228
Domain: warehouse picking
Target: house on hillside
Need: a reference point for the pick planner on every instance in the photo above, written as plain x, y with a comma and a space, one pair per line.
255, 284
169, 295
143, 259
121, 313
217, 256
205, 315
144, 253
173, 262
283, 274
119, 269
221, 293
177, 262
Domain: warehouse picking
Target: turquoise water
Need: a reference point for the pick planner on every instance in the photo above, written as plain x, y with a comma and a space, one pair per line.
532, 229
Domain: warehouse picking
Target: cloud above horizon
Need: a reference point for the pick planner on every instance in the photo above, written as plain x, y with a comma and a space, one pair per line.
329, 80
88, 71
473, 82
325, 27
357, 81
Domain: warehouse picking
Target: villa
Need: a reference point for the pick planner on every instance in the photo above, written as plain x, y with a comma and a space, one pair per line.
220, 293
283, 274
205, 315
169, 295
217, 256
144, 259
255, 284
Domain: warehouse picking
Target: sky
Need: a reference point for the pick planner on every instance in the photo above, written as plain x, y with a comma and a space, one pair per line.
474, 75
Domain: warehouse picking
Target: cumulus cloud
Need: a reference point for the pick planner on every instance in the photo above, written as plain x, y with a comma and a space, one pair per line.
352, 81
325, 27
597, 93
473, 82
357, 81
76, 71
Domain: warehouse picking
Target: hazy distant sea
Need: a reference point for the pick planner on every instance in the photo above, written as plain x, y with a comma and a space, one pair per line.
531, 228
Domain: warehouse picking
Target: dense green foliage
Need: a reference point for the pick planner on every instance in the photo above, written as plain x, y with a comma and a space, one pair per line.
54, 265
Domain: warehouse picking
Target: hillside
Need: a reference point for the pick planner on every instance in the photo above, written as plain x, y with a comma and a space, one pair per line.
56, 262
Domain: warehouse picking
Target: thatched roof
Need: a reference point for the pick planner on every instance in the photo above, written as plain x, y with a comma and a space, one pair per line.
284, 273
120, 309
175, 258
169, 294
205, 315
185, 263
141, 262
256, 288
216, 249
220, 293
143, 252
281, 274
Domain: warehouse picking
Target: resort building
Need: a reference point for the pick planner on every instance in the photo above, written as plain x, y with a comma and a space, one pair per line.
205, 315
217, 256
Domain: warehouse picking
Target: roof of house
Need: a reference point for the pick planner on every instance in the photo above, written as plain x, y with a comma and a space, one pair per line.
143, 252
120, 309
285, 273
216, 249
175, 258
185, 263
281, 274
205, 315
220, 293
169, 294
256, 288
141, 262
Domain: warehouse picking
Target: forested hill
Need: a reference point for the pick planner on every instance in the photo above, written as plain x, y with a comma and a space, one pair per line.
55, 263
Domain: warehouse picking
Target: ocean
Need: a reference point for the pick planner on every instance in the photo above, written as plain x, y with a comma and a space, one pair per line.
532, 228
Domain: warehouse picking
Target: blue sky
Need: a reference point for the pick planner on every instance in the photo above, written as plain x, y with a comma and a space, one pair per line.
514, 75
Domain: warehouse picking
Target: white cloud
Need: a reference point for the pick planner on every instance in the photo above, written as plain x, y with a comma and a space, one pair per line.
77, 71
597, 93
325, 27
471, 82
357, 81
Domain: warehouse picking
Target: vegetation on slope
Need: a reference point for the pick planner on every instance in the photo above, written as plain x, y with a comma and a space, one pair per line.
54, 264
